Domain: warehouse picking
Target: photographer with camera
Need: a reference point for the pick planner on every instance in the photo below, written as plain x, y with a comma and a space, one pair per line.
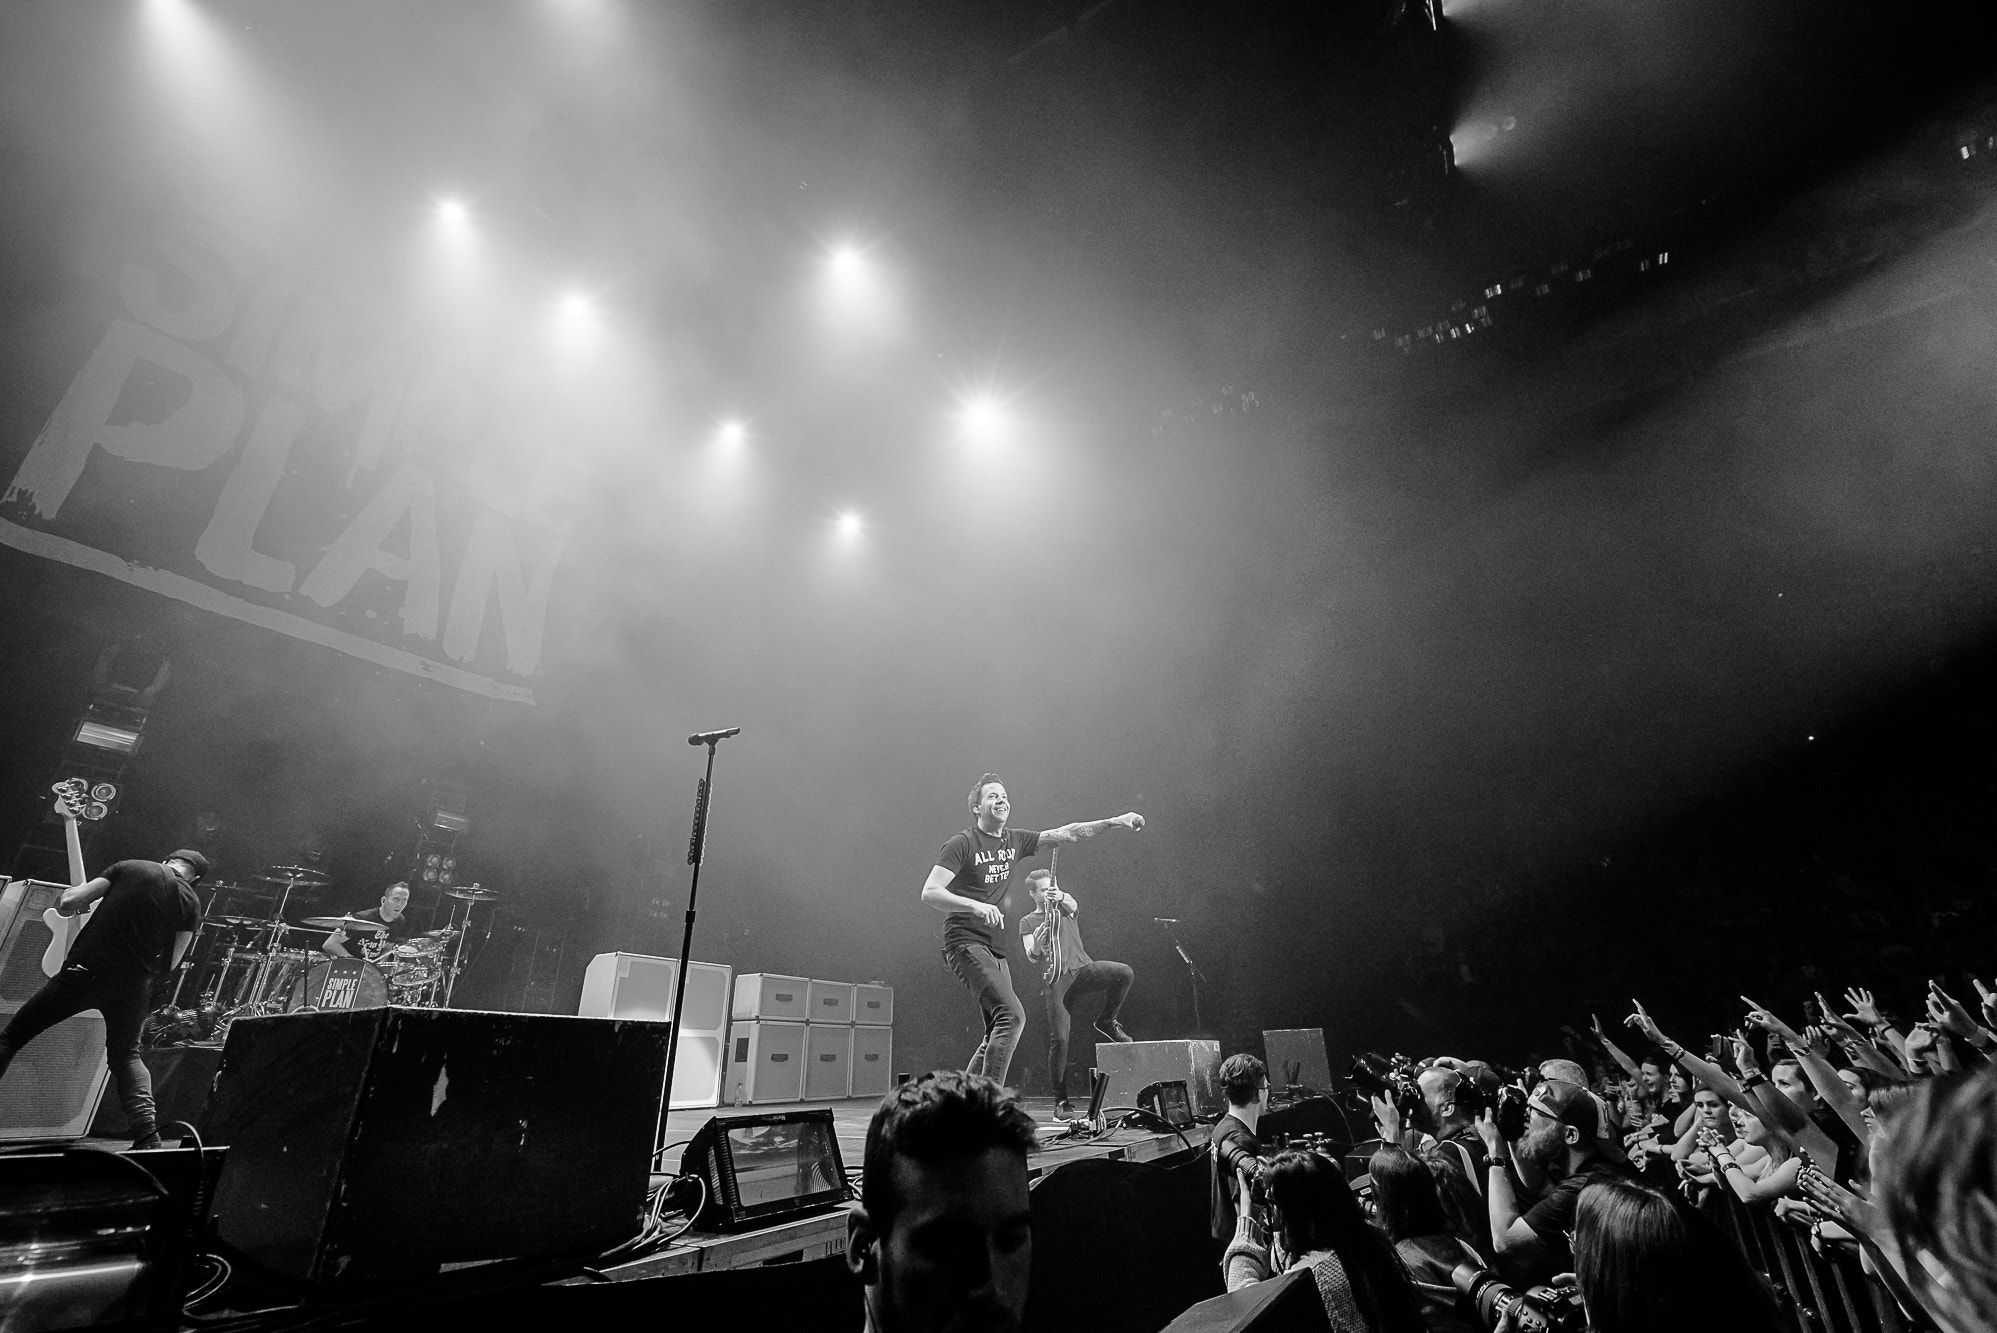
1559, 1140
1233, 1146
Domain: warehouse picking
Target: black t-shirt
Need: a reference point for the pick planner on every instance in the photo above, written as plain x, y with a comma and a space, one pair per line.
1552, 1218
373, 946
1232, 1147
982, 863
130, 931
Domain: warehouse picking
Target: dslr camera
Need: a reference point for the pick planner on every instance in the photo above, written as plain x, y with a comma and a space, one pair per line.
1376, 1075
1541, 1309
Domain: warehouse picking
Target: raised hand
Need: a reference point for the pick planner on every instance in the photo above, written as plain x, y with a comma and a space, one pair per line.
1132, 821
1948, 1014
1989, 999
1386, 1118
1642, 1022
1839, 1028
1744, 1059
1764, 1018
1865, 1009
1486, 1125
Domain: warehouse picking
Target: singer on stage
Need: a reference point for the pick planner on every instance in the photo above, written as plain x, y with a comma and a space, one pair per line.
969, 882
1054, 941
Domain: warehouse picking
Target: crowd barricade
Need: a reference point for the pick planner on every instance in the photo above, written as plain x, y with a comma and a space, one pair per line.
1820, 1293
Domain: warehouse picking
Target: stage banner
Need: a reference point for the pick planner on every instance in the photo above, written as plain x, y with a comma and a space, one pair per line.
247, 439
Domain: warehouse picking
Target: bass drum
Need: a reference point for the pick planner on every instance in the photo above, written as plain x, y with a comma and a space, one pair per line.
339, 983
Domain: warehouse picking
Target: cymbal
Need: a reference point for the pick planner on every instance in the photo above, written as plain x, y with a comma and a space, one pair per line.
441, 933
239, 920
295, 875
343, 923
474, 894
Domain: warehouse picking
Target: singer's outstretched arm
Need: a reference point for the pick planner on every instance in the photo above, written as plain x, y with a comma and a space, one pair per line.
1068, 833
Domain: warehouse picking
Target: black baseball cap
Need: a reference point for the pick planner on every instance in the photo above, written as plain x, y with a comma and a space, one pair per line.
193, 858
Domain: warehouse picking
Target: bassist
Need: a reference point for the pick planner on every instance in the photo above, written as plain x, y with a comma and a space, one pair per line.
142, 916
1053, 940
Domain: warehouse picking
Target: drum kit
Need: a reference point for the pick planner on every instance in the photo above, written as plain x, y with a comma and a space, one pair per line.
254, 967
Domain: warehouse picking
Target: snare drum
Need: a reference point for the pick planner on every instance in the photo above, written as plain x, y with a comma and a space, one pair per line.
339, 983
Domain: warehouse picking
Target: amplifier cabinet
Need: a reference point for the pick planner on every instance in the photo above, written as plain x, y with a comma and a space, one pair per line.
772, 995
873, 1005
52, 1089
828, 1062
636, 985
830, 1002
873, 1061
373, 1146
766, 1062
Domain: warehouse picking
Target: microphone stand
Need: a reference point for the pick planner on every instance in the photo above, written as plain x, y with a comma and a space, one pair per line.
696, 853
1193, 974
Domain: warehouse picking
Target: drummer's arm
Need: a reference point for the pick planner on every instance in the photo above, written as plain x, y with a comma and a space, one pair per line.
336, 945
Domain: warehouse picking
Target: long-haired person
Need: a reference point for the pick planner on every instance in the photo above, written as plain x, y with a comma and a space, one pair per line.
1646, 1264
1315, 1223
1410, 1211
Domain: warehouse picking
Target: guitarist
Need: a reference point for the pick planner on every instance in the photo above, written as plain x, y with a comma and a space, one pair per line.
145, 916
1054, 941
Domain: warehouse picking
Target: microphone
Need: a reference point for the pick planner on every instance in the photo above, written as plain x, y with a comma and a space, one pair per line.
1166, 920
710, 737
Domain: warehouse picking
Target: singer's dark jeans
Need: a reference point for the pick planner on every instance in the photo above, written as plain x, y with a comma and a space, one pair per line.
1112, 979
987, 976
123, 1001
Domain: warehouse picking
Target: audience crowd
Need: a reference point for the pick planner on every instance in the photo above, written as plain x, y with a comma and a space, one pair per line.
1617, 1189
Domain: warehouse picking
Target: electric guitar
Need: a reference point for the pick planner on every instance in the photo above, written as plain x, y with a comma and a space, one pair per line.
1043, 934
72, 798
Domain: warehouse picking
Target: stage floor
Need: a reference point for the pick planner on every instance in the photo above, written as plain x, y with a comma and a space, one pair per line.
825, 1234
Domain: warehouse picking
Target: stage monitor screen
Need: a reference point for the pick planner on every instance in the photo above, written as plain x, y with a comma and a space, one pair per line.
764, 1168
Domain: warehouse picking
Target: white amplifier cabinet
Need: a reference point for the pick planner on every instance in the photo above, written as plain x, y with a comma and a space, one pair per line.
828, 1062
52, 1090
873, 1004
830, 1002
873, 1061
772, 995
636, 985
766, 1063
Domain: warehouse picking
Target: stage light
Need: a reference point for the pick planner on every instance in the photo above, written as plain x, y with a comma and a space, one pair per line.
982, 413
848, 264
850, 524
453, 213
731, 434
107, 737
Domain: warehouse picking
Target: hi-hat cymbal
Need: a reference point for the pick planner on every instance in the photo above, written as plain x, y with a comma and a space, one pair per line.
343, 923
255, 921
474, 894
295, 875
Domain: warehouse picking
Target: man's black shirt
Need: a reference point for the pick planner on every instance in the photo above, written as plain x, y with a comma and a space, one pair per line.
1232, 1145
130, 932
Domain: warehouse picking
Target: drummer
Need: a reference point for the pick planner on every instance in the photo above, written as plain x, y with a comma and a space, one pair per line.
396, 927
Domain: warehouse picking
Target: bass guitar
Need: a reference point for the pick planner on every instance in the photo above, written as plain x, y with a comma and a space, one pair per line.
72, 798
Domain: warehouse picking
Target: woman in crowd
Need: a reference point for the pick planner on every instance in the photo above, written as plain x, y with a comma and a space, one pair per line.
1315, 1223
1764, 1176
1645, 1264
1411, 1213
